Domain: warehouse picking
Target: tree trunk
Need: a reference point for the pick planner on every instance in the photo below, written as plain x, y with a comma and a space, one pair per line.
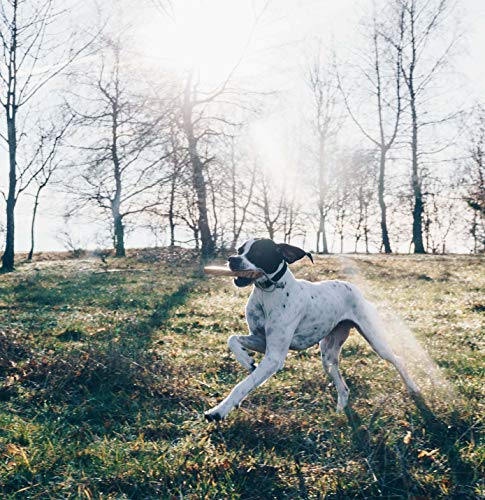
171, 217
232, 246
198, 178
8, 257
172, 228
119, 234
416, 183
366, 228
473, 232
32, 226
322, 231
322, 193
207, 242
196, 238
119, 230
382, 203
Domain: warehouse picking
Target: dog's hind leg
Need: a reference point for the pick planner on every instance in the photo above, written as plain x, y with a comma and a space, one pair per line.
370, 327
238, 345
330, 347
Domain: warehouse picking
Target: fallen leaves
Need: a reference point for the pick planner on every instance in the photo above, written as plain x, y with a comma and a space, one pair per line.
407, 438
428, 454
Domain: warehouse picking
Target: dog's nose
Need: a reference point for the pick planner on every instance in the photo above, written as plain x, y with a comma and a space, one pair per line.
233, 262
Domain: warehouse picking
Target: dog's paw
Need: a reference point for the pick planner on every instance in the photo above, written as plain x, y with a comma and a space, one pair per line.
218, 413
213, 416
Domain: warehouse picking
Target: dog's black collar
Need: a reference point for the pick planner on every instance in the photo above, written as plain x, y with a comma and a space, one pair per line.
264, 285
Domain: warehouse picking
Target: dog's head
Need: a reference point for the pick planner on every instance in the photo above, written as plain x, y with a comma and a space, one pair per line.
263, 254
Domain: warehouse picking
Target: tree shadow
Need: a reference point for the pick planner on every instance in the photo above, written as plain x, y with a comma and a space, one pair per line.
95, 383
447, 434
391, 468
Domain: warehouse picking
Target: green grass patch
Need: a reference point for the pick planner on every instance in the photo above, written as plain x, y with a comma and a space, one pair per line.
104, 377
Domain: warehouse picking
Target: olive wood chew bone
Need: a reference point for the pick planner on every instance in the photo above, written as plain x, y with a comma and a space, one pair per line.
225, 271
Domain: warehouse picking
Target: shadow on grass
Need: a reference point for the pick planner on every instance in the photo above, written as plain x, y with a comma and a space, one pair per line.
100, 382
392, 466
50, 290
141, 331
447, 436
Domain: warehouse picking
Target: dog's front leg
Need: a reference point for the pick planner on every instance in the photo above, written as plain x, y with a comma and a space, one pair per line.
277, 346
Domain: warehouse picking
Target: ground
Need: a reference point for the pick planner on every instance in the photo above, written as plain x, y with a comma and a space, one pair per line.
106, 369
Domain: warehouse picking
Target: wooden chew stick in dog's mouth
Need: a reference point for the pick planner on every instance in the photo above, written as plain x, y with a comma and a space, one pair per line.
225, 271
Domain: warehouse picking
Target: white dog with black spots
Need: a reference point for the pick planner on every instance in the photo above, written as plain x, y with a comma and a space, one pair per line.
286, 313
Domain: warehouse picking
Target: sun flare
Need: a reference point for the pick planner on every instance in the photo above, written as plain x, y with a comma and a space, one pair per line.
207, 36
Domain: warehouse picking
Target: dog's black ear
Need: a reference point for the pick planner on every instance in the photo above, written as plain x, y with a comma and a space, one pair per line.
292, 254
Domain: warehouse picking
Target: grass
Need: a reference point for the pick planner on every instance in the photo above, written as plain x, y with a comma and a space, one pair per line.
104, 378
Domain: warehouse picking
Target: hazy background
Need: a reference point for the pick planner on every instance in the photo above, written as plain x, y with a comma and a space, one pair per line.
272, 53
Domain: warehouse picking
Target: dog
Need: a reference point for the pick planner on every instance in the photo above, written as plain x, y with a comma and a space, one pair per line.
286, 313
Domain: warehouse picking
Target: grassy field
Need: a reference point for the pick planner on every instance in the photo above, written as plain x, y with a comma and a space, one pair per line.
105, 371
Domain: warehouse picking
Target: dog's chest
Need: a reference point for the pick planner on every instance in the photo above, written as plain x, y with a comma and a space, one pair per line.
312, 310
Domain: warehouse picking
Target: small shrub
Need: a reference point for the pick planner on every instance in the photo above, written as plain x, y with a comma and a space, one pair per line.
77, 253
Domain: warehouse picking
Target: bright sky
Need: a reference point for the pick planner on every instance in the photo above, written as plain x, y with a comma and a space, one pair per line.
214, 34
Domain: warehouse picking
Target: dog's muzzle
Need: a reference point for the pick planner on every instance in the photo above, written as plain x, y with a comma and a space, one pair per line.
242, 282
235, 264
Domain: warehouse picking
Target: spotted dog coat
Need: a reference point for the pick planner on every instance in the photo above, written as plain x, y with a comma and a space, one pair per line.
284, 313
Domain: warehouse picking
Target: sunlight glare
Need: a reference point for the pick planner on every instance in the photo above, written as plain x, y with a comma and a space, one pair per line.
207, 36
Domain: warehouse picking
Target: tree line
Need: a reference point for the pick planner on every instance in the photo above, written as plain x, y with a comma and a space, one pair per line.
369, 169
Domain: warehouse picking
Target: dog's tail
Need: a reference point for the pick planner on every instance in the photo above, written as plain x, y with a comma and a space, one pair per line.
370, 326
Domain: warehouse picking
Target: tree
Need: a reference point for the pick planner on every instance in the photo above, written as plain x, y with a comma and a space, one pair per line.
322, 82
474, 181
177, 168
382, 74
123, 169
205, 120
28, 62
238, 178
439, 218
363, 179
44, 165
342, 174
268, 205
291, 216
419, 22
190, 105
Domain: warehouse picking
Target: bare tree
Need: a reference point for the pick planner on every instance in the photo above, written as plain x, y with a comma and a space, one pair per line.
363, 180
205, 120
419, 23
439, 218
189, 213
267, 208
29, 60
190, 105
291, 216
382, 73
322, 82
237, 183
474, 182
45, 164
123, 172
342, 174
177, 171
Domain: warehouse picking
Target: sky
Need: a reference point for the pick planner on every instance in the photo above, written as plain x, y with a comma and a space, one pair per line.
270, 40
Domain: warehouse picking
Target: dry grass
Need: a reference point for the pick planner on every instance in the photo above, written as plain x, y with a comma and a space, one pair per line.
104, 377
